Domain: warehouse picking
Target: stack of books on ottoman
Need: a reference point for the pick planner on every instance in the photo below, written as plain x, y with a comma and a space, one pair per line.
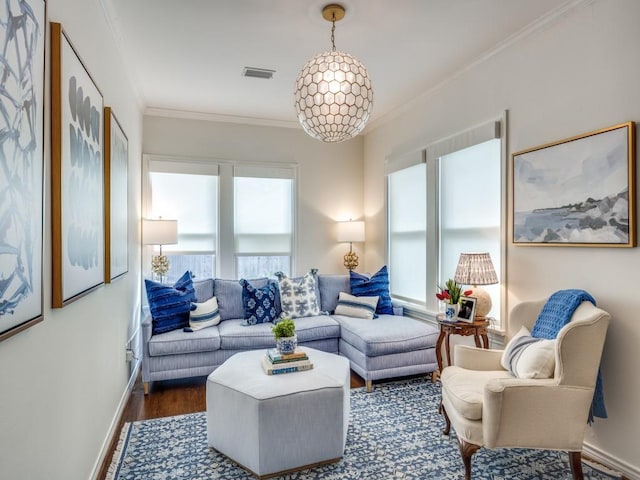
275, 362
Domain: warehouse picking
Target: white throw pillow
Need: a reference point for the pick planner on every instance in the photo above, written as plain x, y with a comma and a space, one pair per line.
360, 307
524, 331
298, 297
526, 357
204, 315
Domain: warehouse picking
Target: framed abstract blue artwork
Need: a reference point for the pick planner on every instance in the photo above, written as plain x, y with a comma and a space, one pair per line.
22, 41
577, 192
116, 160
77, 175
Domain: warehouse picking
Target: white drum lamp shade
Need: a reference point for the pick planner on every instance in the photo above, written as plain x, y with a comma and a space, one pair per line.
160, 232
350, 232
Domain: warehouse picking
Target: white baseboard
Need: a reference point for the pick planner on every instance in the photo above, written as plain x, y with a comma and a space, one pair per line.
631, 472
113, 428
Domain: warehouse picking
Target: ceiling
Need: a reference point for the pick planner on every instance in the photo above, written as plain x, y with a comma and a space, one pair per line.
188, 55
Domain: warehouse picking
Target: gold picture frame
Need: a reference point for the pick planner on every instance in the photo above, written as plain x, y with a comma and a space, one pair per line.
577, 192
77, 175
116, 159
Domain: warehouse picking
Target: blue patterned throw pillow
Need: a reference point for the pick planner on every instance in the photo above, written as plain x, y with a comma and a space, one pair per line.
299, 296
376, 286
170, 305
259, 303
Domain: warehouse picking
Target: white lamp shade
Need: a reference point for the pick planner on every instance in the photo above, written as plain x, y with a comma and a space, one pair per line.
350, 231
160, 232
475, 269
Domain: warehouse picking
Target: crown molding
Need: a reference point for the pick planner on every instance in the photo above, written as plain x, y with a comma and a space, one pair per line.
513, 39
216, 117
129, 71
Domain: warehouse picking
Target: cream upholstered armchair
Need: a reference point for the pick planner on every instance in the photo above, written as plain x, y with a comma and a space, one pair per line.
489, 407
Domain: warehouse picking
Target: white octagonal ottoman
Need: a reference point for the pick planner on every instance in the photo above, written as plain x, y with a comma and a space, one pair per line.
270, 424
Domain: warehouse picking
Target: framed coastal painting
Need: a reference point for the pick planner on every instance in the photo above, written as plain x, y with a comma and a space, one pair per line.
22, 46
77, 175
116, 159
577, 192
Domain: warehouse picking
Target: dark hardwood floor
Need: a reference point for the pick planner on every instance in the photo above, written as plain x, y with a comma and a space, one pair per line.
168, 398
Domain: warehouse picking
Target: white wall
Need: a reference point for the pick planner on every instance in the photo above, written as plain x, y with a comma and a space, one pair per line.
329, 175
62, 380
576, 74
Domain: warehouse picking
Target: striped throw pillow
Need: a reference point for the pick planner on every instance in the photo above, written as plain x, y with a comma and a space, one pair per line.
359, 307
203, 315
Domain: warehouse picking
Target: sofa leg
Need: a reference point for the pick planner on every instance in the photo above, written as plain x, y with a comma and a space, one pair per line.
575, 461
145, 388
369, 386
466, 451
447, 422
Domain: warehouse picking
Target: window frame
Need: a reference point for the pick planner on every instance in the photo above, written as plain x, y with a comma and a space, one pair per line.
430, 153
225, 170
261, 172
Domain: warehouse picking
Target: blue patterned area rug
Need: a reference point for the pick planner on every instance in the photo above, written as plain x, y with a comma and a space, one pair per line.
394, 434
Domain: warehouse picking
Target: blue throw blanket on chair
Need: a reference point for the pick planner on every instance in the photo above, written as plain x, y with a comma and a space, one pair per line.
555, 314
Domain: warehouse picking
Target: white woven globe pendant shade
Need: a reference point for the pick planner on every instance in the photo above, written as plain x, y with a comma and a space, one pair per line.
333, 97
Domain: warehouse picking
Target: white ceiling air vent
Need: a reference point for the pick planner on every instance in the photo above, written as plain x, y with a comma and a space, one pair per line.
258, 72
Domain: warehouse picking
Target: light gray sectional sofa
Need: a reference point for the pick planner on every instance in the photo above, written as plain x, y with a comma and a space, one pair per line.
388, 346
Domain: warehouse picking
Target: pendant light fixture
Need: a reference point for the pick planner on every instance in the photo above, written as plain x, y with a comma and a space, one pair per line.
333, 94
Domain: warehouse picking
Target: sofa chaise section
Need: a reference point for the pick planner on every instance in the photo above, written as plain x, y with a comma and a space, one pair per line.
388, 346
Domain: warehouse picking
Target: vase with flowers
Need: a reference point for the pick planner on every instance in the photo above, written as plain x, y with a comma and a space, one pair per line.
451, 295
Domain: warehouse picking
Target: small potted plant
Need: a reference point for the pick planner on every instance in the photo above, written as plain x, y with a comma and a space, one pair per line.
285, 333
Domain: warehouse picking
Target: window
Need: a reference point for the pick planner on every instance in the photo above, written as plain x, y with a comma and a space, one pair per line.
442, 200
408, 233
192, 200
470, 209
233, 220
263, 220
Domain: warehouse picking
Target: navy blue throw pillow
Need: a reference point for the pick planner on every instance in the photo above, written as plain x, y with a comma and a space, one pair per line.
259, 303
170, 305
376, 286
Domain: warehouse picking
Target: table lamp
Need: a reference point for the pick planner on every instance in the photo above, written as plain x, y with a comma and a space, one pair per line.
350, 232
160, 232
477, 269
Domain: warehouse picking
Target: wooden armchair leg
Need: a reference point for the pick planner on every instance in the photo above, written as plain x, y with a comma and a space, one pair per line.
575, 460
466, 451
447, 423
